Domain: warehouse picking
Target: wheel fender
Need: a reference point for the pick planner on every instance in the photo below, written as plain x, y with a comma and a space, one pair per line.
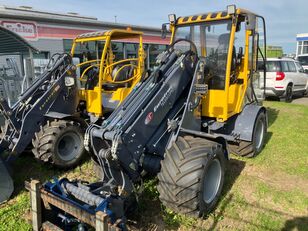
245, 122
219, 139
290, 83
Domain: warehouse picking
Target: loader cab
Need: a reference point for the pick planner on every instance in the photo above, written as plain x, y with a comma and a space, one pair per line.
231, 42
106, 76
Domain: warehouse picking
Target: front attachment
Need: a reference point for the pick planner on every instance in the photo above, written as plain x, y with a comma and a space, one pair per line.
6, 183
75, 203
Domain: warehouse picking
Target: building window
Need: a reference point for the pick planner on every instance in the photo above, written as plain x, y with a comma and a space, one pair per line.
67, 45
146, 54
305, 47
117, 49
302, 47
42, 55
154, 50
131, 50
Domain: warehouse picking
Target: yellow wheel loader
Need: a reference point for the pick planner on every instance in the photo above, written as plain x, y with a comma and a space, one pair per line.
203, 102
55, 111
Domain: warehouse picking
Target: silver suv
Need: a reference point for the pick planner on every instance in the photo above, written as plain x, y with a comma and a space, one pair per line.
284, 78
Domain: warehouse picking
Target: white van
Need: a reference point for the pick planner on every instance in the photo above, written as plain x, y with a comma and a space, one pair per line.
284, 78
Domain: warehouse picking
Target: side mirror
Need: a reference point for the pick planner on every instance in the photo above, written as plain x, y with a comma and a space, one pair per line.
164, 30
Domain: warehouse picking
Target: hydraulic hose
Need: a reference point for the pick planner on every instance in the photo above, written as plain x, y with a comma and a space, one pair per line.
82, 194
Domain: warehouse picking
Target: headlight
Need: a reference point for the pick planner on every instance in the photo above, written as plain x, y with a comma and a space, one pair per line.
231, 9
69, 81
172, 18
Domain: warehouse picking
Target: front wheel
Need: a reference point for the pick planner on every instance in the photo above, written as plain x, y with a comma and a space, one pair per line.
59, 142
192, 176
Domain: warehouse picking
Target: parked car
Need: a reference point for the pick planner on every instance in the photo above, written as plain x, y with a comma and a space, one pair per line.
303, 60
285, 77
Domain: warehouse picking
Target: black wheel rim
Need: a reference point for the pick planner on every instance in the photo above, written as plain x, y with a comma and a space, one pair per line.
259, 134
68, 146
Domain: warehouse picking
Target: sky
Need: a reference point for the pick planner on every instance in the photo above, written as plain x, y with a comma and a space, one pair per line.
284, 18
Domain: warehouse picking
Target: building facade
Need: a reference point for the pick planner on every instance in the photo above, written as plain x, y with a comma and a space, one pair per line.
302, 44
52, 32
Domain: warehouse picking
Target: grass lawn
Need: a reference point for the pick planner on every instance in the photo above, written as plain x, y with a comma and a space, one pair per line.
269, 192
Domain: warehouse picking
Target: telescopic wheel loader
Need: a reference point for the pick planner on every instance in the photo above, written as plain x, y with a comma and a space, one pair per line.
55, 110
180, 124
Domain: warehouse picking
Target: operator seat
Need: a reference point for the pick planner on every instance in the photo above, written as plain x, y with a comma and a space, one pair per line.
124, 74
92, 79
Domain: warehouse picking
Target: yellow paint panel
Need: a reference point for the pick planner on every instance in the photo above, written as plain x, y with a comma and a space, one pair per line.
93, 100
203, 18
214, 105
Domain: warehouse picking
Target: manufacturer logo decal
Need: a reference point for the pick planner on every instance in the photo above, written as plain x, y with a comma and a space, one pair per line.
24, 29
149, 118
164, 99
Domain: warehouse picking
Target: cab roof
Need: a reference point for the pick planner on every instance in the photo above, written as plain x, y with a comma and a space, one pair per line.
115, 34
211, 16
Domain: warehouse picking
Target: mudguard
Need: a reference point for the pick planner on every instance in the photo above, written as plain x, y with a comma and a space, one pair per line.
244, 123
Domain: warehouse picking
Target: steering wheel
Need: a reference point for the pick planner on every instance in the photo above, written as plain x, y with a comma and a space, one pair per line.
89, 67
193, 48
119, 68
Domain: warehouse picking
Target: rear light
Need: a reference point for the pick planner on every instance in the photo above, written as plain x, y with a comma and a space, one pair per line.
280, 76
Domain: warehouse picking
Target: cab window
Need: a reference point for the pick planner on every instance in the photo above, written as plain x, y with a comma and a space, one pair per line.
212, 41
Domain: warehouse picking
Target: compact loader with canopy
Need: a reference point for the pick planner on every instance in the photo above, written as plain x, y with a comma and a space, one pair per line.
54, 112
201, 103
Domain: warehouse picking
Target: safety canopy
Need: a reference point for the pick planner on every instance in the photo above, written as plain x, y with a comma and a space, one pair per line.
11, 42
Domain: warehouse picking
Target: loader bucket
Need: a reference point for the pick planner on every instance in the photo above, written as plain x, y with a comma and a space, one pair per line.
6, 183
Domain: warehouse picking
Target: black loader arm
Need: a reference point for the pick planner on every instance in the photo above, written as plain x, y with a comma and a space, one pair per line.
48, 93
137, 132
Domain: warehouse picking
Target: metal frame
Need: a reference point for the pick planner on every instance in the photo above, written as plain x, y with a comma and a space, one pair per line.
106, 66
42, 200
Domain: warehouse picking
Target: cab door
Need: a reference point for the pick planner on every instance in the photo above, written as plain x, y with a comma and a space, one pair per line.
238, 69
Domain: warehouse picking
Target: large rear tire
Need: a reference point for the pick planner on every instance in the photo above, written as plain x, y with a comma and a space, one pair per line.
253, 148
192, 176
59, 142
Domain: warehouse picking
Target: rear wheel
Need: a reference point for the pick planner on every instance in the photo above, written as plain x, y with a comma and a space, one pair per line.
192, 176
288, 94
251, 149
60, 143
